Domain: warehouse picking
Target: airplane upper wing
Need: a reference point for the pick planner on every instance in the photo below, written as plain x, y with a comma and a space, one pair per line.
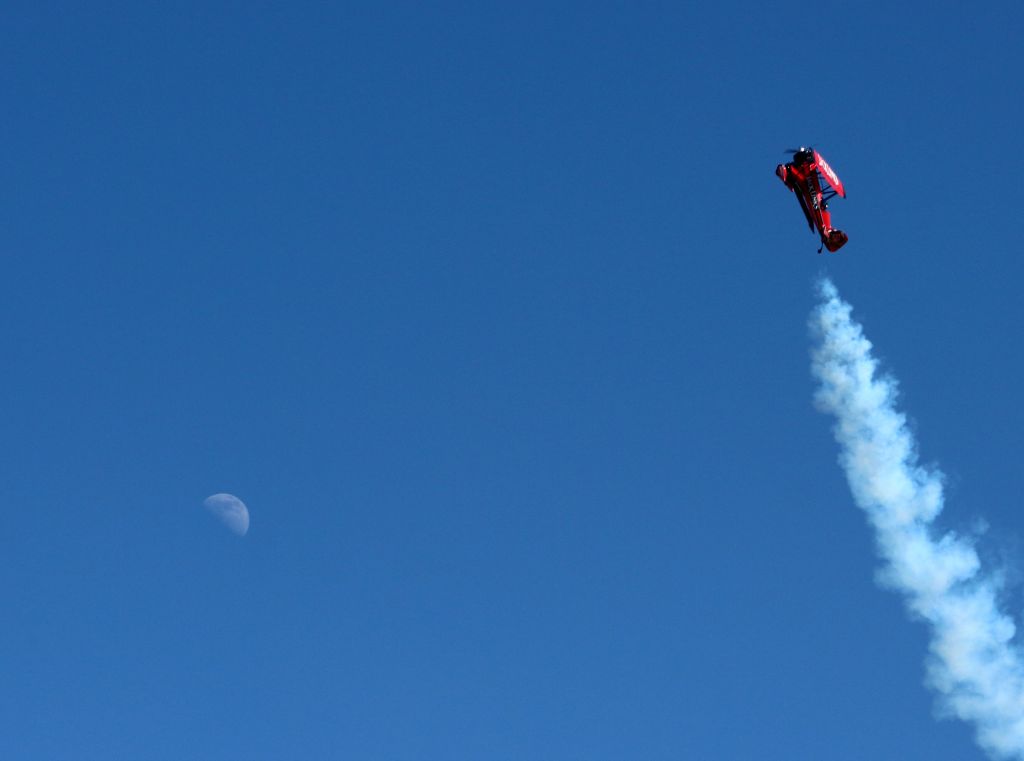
830, 174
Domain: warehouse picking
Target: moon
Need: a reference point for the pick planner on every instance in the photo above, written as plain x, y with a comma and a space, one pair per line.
230, 510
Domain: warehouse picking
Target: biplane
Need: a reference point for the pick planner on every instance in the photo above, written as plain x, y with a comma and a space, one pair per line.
815, 183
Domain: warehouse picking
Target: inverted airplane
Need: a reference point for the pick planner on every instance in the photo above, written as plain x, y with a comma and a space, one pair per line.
815, 183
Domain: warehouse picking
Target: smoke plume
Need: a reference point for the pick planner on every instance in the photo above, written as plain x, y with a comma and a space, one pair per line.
974, 663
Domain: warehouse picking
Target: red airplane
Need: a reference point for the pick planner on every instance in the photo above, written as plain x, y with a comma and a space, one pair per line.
805, 175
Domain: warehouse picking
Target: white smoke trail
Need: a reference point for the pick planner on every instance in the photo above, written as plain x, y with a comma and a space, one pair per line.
973, 663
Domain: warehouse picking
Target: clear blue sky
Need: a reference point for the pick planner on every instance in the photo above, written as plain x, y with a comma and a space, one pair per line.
495, 316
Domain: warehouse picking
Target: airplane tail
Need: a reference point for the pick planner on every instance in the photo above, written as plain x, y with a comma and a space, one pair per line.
835, 240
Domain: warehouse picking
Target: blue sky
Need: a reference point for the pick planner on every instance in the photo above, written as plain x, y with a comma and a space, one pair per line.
496, 318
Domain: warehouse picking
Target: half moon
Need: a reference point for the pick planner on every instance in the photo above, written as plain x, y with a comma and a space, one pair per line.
230, 510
